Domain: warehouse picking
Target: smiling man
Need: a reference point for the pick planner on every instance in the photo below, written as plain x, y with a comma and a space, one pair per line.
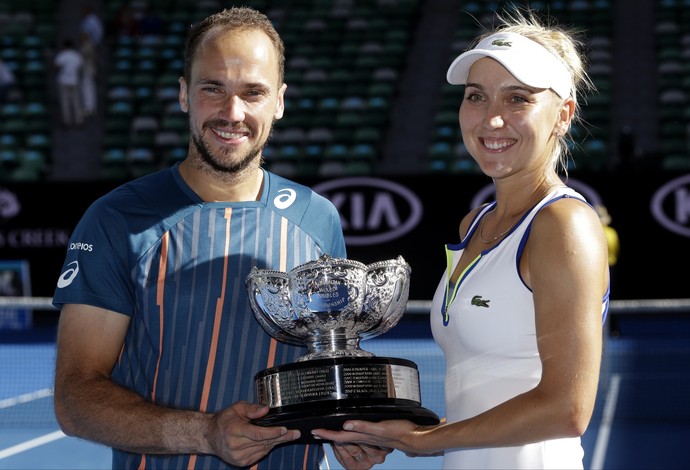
157, 344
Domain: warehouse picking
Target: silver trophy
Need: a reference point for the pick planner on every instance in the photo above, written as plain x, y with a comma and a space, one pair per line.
331, 305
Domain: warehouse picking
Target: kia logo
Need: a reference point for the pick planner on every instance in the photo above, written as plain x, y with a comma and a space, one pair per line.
372, 210
671, 205
9, 204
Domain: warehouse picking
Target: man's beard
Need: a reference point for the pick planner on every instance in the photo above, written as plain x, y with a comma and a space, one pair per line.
217, 164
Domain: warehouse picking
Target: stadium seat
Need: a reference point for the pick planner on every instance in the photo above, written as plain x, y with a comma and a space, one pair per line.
32, 166
332, 168
114, 164
174, 155
38, 141
9, 161
8, 141
174, 122
359, 168
142, 161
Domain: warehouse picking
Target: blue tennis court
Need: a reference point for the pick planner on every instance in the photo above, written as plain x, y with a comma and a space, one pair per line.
642, 419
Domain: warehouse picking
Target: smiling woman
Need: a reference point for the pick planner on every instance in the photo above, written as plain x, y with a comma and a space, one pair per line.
519, 309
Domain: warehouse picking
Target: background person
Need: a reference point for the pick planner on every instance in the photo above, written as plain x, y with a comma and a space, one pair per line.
157, 346
91, 25
89, 76
614, 249
7, 81
69, 63
519, 310
612, 239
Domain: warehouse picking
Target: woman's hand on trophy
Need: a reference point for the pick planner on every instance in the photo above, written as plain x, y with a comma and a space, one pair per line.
400, 434
234, 438
359, 457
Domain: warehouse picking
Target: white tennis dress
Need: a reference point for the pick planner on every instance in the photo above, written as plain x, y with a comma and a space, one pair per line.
488, 336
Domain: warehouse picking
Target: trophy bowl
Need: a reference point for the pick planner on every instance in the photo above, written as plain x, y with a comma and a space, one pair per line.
330, 305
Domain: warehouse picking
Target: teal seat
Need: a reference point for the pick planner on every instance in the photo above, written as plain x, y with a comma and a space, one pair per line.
114, 164
32, 166
38, 141
8, 141
9, 161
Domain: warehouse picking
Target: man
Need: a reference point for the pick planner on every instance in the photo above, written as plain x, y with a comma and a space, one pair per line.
157, 345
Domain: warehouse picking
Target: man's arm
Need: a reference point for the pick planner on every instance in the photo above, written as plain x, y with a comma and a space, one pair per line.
89, 405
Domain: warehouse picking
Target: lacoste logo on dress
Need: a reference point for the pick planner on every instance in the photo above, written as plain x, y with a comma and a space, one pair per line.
501, 42
477, 301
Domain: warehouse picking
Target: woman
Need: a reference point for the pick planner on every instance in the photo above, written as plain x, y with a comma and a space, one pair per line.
520, 307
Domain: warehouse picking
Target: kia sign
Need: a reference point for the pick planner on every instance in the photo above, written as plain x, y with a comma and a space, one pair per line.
671, 206
9, 204
372, 210
412, 216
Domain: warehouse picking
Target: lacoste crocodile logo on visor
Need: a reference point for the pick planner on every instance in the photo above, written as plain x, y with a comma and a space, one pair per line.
501, 42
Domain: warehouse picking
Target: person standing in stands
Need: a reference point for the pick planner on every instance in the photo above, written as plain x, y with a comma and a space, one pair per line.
7, 81
520, 307
91, 25
69, 63
90, 46
157, 346
88, 76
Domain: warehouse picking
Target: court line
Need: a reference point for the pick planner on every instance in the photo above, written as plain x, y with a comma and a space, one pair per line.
38, 441
602, 441
26, 397
28, 445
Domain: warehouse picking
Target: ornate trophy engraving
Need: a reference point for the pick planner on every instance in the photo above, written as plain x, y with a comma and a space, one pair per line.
330, 305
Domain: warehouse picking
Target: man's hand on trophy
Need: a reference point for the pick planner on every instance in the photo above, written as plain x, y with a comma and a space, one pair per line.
236, 440
359, 457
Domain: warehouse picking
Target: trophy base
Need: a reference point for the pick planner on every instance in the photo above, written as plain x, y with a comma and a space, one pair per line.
324, 393
312, 418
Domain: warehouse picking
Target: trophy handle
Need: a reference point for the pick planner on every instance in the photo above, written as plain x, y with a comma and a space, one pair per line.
269, 296
388, 289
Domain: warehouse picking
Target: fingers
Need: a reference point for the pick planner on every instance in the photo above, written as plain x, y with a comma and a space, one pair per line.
352, 431
374, 454
238, 441
353, 456
249, 446
253, 410
359, 456
277, 434
336, 436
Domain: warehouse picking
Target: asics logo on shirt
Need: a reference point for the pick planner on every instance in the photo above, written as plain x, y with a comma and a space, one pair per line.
283, 201
68, 276
477, 301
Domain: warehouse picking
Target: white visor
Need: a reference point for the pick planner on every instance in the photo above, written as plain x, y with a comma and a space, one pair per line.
528, 61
